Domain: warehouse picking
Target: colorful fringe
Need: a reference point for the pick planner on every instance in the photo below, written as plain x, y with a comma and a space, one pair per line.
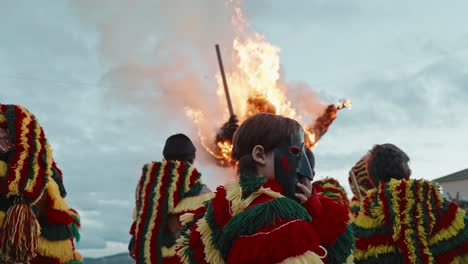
168, 187
409, 222
359, 180
31, 178
31, 158
331, 188
259, 223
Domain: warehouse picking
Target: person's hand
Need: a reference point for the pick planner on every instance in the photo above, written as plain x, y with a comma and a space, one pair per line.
305, 190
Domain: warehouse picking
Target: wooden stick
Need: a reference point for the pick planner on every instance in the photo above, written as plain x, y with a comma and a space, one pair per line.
226, 89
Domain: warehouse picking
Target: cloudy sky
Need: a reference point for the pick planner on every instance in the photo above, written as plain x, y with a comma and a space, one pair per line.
109, 82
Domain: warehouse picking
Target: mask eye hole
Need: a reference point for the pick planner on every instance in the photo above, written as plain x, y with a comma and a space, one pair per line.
295, 151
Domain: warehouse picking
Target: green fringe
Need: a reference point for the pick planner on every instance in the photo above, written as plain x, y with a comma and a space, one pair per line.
451, 243
216, 231
76, 232
58, 179
366, 233
74, 262
258, 216
342, 248
56, 232
250, 183
75, 228
184, 233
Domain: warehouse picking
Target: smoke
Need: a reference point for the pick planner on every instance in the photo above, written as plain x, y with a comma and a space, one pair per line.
159, 57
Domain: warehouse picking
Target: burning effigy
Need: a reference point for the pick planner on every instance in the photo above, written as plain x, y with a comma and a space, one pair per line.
255, 86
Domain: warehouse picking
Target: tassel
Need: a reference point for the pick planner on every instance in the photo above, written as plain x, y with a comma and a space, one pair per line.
20, 234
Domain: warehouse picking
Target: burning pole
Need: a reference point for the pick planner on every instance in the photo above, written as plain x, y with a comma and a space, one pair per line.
223, 75
225, 134
323, 122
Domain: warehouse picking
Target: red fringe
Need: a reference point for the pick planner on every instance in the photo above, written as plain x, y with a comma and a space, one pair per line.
220, 205
197, 246
331, 222
276, 246
144, 207
159, 213
447, 218
19, 116
19, 220
44, 260
193, 177
448, 257
132, 229
58, 217
401, 190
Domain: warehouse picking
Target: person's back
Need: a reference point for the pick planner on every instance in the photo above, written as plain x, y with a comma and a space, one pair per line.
271, 214
404, 220
36, 224
166, 190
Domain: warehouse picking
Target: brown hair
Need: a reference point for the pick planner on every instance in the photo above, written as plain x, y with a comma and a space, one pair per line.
262, 129
386, 162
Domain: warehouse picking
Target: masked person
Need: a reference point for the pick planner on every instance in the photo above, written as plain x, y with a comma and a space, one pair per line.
406, 221
166, 190
359, 183
271, 215
36, 224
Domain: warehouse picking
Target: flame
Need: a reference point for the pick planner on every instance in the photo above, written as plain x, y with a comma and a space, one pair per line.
254, 88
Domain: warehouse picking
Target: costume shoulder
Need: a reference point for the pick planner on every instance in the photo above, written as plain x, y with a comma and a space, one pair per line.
409, 221
332, 188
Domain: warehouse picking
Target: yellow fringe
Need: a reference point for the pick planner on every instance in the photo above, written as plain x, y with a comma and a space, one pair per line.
62, 250
3, 168
407, 221
185, 218
364, 221
212, 255
35, 166
168, 252
134, 214
350, 259
187, 179
450, 231
54, 193
234, 195
13, 186
191, 203
460, 260
2, 118
172, 189
2, 218
373, 251
306, 258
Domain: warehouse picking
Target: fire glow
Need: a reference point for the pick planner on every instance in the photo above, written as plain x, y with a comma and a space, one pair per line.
254, 87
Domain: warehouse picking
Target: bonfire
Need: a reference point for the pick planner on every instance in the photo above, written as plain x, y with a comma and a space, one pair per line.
254, 84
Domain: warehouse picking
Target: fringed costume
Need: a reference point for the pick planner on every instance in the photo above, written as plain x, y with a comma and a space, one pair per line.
360, 183
165, 188
36, 224
408, 221
332, 188
253, 222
